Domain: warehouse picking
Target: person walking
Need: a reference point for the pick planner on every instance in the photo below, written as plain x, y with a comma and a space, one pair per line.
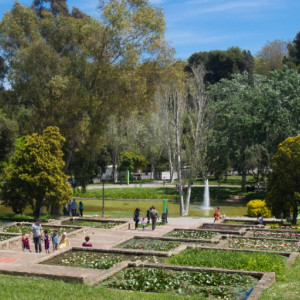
74, 208
154, 216
70, 208
148, 215
216, 214
81, 208
136, 217
36, 230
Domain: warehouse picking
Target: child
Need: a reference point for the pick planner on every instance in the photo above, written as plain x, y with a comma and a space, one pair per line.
216, 215
64, 242
25, 242
47, 241
87, 242
54, 238
144, 223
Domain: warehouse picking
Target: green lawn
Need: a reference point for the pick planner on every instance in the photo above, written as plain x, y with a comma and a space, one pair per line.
230, 180
17, 287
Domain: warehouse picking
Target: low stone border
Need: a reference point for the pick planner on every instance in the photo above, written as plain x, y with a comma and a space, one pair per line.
252, 220
209, 226
240, 231
249, 237
14, 241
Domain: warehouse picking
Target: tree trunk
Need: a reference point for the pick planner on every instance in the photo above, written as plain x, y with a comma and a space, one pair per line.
114, 173
244, 178
55, 210
180, 188
295, 214
188, 197
152, 170
171, 168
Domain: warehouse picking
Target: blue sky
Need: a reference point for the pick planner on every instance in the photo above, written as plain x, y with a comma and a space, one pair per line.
201, 25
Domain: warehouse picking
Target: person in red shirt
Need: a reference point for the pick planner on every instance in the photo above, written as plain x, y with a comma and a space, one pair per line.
87, 242
25, 242
216, 215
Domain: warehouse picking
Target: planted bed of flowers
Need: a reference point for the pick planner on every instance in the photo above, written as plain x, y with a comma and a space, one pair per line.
278, 234
150, 245
4, 237
192, 234
201, 284
97, 260
95, 224
27, 229
222, 226
263, 244
284, 227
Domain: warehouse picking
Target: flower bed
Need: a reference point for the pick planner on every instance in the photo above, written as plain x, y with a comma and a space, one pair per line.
229, 259
94, 224
149, 224
5, 237
27, 228
192, 234
150, 245
263, 245
194, 283
220, 226
283, 227
97, 260
278, 234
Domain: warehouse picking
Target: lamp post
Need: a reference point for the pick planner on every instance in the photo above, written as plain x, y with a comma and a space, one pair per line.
103, 208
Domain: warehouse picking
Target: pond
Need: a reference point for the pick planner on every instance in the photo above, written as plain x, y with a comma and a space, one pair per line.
97, 260
263, 244
174, 282
192, 234
91, 223
150, 245
26, 228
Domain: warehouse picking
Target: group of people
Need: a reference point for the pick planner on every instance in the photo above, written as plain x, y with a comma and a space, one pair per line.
70, 209
38, 237
151, 214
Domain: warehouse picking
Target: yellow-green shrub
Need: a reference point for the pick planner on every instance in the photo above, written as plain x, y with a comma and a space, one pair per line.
256, 207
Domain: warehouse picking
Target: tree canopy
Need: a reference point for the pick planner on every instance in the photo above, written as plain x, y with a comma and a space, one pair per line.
35, 176
284, 182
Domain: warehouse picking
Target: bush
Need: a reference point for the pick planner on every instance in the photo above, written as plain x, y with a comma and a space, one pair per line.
258, 206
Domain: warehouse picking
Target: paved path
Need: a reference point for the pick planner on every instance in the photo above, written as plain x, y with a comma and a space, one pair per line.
149, 185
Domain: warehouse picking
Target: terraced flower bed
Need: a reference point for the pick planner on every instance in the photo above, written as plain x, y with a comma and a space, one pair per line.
94, 224
27, 228
220, 226
263, 245
192, 234
5, 237
283, 227
97, 260
194, 283
277, 234
229, 259
150, 245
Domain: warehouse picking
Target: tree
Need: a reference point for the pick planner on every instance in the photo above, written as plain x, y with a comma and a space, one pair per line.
35, 175
132, 162
222, 63
271, 57
284, 182
293, 59
8, 134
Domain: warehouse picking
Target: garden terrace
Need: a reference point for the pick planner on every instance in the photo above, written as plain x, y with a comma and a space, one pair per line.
285, 227
240, 231
222, 226
98, 259
96, 223
278, 234
26, 228
263, 244
190, 281
9, 240
191, 235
